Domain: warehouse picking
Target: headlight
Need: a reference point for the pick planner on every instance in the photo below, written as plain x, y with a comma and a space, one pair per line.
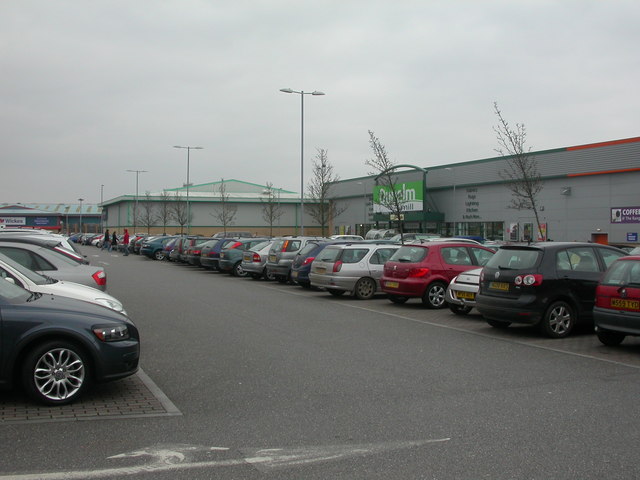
113, 305
112, 333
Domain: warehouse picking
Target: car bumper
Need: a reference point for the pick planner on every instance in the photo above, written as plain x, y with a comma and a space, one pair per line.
617, 321
458, 295
209, 262
403, 287
117, 360
525, 309
335, 282
279, 269
301, 277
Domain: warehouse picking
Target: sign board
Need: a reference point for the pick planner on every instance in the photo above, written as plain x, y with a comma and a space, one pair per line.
13, 221
625, 215
632, 236
411, 195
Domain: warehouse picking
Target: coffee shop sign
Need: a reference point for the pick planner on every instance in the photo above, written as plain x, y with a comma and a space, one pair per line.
625, 215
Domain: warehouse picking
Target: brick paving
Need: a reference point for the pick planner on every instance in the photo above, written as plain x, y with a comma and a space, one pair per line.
135, 396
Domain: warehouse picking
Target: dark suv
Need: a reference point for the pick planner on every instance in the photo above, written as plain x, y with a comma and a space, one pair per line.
550, 284
424, 270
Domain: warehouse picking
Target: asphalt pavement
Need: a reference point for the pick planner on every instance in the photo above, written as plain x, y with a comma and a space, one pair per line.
272, 381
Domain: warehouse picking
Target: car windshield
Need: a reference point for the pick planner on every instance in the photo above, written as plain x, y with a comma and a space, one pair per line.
623, 272
30, 274
261, 245
409, 254
514, 259
13, 293
307, 249
329, 254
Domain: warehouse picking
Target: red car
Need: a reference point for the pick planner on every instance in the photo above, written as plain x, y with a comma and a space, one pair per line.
617, 310
424, 270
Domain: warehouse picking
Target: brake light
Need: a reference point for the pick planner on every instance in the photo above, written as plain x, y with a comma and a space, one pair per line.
100, 277
418, 272
308, 260
235, 245
197, 252
284, 246
256, 257
528, 280
337, 266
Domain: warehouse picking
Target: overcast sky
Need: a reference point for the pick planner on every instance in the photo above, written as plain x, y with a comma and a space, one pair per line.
91, 89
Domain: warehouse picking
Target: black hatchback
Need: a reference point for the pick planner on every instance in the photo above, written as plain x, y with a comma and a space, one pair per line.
550, 284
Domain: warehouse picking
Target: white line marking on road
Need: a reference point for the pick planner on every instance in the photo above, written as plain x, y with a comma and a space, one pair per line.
188, 457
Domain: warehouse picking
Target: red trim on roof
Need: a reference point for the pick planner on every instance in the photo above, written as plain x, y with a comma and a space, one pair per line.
603, 172
605, 144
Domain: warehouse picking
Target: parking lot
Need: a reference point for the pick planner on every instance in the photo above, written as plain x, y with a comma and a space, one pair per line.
359, 389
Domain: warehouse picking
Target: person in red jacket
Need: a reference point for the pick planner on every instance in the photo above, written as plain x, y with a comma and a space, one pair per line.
125, 242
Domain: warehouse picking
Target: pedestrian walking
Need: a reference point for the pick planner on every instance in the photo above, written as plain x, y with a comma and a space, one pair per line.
114, 241
125, 242
106, 241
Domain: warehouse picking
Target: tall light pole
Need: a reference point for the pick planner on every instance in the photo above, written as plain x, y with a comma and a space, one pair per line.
188, 148
135, 204
101, 207
302, 94
80, 226
364, 200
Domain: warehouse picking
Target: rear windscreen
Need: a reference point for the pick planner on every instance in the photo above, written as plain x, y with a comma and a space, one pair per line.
329, 254
409, 254
514, 259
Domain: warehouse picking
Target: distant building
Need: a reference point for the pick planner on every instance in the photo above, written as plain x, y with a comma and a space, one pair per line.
57, 217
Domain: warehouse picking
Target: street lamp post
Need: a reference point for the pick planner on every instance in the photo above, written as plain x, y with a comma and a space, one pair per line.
188, 148
364, 201
101, 207
302, 94
135, 204
80, 225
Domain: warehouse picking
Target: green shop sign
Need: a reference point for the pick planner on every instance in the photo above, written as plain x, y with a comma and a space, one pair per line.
411, 196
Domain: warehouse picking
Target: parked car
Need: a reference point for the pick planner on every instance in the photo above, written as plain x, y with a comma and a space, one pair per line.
153, 247
424, 270
616, 313
301, 266
354, 268
136, 243
57, 346
347, 238
550, 284
34, 282
169, 246
281, 255
47, 242
409, 237
194, 250
210, 256
50, 262
462, 291
231, 255
233, 235
254, 261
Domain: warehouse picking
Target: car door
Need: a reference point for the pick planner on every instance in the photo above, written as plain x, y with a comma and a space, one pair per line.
455, 260
579, 271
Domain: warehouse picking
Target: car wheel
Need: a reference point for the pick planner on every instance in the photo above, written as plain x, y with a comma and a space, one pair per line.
398, 299
159, 255
558, 320
497, 323
365, 288
434, 295
607, 337
281, 278
56, 372
459, 309
238, 271
268, 275
334, 292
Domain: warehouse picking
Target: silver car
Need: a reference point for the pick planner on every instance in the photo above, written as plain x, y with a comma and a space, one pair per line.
254, 261
354, 268
52, 263
462, 291
35, 283
283, 251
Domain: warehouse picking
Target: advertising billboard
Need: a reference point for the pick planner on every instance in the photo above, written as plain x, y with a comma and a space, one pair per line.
411, 195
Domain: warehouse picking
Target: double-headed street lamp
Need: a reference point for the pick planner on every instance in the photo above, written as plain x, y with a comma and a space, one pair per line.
188, 148
302, 94
135, 205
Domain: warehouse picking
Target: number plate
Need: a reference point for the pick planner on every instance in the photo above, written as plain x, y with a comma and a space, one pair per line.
626, 304
503, 286
294, 274
272, 258
391, 284
465, 295
320, 270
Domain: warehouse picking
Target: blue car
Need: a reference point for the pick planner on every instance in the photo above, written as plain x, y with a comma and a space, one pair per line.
301, 265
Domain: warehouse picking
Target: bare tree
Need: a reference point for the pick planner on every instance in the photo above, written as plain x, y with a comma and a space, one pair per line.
322, 207
164, 213
521, 173
390, 196
178, 211
271, 209
226, 212
147, 216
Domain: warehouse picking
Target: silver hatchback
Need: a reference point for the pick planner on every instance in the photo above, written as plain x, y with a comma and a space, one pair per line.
354, 268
